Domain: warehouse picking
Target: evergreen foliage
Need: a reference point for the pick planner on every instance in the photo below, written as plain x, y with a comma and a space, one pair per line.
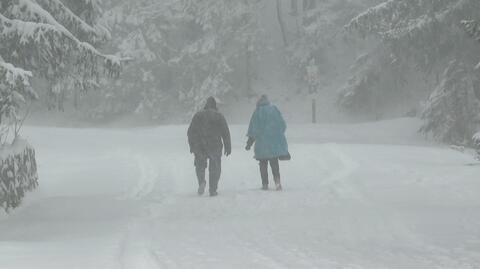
452, 112
428, 36
52, 42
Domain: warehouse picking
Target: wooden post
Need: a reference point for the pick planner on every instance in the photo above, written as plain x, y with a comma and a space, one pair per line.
283, 28
294, 7
248, 74
75, 97
314, 111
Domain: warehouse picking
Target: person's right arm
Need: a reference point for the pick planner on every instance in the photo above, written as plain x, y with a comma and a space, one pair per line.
250, 142
192, 132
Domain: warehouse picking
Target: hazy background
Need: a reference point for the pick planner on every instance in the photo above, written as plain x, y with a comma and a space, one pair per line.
157, 86
364, 187
360, 60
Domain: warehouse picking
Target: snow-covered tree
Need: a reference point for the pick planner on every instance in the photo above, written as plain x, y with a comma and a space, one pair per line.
452, 113
14, 89
183, 51
314, 40
419, 34
217, 32
476, 142
472, 27
47, 38
52, 40
137, 33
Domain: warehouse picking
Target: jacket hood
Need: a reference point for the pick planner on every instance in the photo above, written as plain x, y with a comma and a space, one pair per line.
263, 100
211, 103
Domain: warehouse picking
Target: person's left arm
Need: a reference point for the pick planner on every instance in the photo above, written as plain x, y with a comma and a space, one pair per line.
283, 124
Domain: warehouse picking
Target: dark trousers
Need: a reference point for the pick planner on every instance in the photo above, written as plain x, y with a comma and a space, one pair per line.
214, 164
264, 170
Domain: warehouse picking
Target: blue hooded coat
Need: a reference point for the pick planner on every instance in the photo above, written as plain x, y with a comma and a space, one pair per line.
267, 128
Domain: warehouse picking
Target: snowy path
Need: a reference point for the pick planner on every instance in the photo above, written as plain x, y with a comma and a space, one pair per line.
348, 203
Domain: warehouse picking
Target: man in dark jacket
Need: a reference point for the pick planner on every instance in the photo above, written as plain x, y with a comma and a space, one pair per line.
205, 135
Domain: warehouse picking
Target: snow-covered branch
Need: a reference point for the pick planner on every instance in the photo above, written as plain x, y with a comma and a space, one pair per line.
18, 173
472, 27
55, 13
74, 23
15, 89
397, 19
54, 44
13, 75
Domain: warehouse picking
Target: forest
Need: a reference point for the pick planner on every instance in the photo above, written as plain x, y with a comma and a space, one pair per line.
366, 112
363, 60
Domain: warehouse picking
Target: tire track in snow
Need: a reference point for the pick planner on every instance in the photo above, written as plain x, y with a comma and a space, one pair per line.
390, 229
135, 251
340, 180
147, 179
135, 247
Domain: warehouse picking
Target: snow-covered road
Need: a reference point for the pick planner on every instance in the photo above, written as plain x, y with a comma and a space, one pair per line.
356, 196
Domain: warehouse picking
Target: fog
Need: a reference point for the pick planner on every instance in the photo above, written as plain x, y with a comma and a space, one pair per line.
142, 134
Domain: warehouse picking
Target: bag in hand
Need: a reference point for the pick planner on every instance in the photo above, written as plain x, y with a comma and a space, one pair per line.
285, 158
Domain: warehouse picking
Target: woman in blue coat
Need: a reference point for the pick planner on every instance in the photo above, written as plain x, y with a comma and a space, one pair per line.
267, 130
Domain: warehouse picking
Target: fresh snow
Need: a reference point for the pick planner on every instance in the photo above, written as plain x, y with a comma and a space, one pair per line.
356, 196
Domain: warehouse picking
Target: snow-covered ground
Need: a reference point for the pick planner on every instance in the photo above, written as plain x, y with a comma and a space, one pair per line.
356, 196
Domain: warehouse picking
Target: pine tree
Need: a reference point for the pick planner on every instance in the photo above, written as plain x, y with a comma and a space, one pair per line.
316, 42
184, 51
452, 113
140, 31
14, 89
472, 27
412, 33
217, 33
476, 142
54, 40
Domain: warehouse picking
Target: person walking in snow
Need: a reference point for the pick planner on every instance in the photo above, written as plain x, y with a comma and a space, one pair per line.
267, 130
208, 134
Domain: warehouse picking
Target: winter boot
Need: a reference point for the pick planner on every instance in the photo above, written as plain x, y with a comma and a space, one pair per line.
265, 187
278, 185
201, 180
213, 193
201, 188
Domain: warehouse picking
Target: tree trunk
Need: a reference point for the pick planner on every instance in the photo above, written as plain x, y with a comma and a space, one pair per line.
314, 110
61, 101
294, 7
248, 73
75, 98
281, 23
309, 5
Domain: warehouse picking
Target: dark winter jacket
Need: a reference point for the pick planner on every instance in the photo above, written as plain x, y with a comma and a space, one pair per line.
267, 129
207, 131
